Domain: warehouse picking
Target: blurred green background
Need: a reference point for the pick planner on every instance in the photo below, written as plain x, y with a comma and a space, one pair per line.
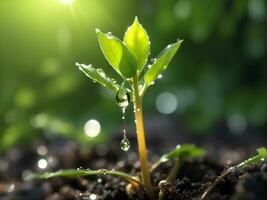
218, 76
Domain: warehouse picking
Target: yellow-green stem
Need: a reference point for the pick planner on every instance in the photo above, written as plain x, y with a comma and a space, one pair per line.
141, 140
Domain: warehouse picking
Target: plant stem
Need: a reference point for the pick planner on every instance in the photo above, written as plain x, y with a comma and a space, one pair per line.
216, 182
174, 171
141, 140
228, 171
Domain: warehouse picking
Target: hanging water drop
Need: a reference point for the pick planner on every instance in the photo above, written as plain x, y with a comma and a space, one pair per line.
122, 97
122, 100
125, 143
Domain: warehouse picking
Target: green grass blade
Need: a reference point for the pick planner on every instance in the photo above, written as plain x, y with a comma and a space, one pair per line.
73, 173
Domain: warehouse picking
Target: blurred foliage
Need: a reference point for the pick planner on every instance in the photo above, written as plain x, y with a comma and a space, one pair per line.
219, 75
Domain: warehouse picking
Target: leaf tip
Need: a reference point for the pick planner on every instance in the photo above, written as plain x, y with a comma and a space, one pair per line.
97, 30
77, 64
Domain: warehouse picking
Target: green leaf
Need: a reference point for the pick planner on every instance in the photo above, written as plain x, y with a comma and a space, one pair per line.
161, 63
262, 152
181, 152
117, 54
137, 41
72, 173
261, 156
99, 76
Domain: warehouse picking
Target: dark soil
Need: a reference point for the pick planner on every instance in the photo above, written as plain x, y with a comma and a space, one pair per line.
193, 178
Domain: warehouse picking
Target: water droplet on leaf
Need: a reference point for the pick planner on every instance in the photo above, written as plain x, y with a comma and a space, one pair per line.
113, 81
160, 76
101, 72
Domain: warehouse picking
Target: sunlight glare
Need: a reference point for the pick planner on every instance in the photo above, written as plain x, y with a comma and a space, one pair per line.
67, 2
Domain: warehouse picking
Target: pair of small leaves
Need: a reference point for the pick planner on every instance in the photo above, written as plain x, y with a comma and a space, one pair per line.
129, 57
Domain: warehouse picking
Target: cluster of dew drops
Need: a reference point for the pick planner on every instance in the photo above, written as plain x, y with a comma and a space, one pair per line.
122, 100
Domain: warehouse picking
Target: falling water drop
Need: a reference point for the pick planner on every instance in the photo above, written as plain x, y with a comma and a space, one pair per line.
125, 143
122, 100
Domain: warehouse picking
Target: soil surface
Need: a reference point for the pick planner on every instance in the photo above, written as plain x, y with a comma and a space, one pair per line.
193, 178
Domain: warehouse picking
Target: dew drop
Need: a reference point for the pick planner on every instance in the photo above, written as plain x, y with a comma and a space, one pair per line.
152, 83
153, 60
101, 72
104, 171
160, 76
113, 81
125, 143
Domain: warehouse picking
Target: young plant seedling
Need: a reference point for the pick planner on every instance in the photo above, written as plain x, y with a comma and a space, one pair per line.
129, 58
261, 156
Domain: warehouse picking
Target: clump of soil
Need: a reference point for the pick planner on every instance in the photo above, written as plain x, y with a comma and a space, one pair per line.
193, 178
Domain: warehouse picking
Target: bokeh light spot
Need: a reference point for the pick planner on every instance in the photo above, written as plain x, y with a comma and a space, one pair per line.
92, 128
42, 163
166, 103
237, 124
